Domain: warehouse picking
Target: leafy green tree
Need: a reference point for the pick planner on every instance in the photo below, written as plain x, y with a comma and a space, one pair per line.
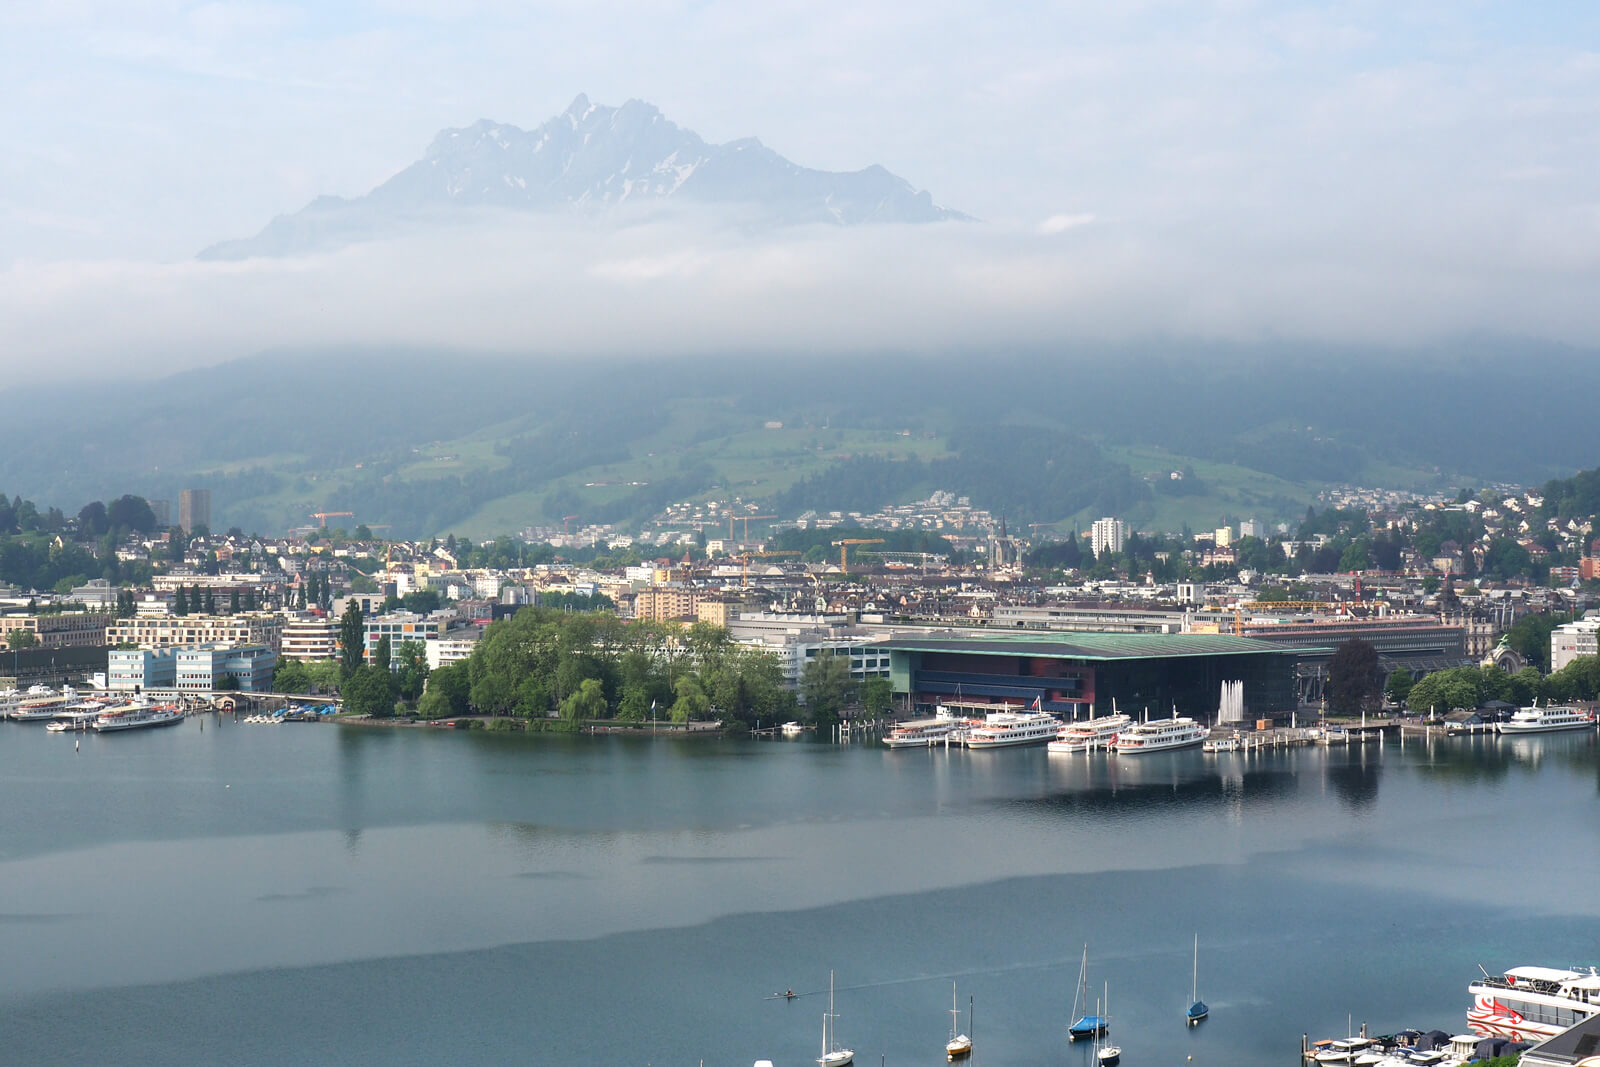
1445, 691
635, 704
1399, 686
290, 676
1354, 678
422, 601
21, 638
588, 702
352, 638
180, 606
370, 691
411, 669
451, 682
876, 696
233, 602
826, 685
692, 701
380, 653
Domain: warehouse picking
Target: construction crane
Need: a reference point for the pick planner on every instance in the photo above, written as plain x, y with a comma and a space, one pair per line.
844, 548
566, 519
326, 515
735, 515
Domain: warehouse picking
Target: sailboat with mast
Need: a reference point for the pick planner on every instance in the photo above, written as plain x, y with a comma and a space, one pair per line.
959, 1045
1084, 1026
1197, 1010
1107, 1053
832, 1054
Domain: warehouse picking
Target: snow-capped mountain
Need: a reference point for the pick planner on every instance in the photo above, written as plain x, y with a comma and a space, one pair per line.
591, 157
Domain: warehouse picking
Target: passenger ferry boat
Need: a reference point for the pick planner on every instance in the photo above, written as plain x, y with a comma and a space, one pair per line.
1222, 744
136, 718
920, 733
1547, 720
1159, 735
1533, 1003
1002, 728
1090, 735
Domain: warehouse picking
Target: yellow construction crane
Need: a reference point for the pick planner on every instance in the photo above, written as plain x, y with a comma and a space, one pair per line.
326, 515
844, 548
735, 515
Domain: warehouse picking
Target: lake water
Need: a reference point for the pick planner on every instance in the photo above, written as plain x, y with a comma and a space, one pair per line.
318, 894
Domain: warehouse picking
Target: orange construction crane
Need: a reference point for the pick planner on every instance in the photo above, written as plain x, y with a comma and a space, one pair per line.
566, 519
844, 548
326, 515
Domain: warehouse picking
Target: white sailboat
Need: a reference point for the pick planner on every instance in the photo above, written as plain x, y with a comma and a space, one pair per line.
1198, 1009
1107, 1053
959, 1044
832, 1054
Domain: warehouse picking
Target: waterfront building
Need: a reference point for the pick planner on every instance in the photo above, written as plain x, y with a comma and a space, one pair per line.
77, 629
191, 669
1073, 673
160, 631
1107, 535
402, 626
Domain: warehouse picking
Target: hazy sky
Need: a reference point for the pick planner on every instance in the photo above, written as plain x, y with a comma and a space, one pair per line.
1364, 170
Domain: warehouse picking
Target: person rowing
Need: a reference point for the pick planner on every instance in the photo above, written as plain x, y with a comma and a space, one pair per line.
788, 994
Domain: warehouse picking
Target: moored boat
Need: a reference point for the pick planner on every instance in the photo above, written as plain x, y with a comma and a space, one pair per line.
1090, 735
1159, 735
1533, 1003
1546, 720
920, 733
1003, 728
137, 718
959, 1045
832, 1054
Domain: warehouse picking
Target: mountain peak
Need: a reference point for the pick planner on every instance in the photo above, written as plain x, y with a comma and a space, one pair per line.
593, 158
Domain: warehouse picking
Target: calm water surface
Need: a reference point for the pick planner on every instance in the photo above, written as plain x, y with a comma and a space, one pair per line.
317, 894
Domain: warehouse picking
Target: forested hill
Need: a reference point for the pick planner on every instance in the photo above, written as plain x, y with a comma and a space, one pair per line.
430, 441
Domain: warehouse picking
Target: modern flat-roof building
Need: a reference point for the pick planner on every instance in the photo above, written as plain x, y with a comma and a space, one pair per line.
73, 629
1107, 535
1421, 646
1571, 640
1072, 673
159, 631
307, 637
197, 669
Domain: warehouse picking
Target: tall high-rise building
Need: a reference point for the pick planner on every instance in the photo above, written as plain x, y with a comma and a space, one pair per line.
162, 510
1107, 535
194, 509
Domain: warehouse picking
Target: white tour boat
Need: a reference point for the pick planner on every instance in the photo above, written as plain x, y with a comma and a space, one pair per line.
1160, 735
792, 728
1221, 744
137, 718
1091, 734
1547, 720
1002, 728
1533, 1003
920, 733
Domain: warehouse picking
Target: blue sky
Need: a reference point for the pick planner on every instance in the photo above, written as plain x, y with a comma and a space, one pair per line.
1316, 141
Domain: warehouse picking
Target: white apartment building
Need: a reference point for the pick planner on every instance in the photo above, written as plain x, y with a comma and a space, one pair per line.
1107, 535
1574, 639
160, 631
308, 637
1223, 535
1253, 528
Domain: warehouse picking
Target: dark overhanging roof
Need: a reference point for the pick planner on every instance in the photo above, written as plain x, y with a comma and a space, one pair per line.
1061, 644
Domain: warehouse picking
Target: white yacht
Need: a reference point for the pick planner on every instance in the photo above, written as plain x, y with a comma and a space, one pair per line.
1159, 735
1091, 734
832, 1054
793, 728
1344, 1050
1002, 728
135, 718
1533, 1003
1547, 720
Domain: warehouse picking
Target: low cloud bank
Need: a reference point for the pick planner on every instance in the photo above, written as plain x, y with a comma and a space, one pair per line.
693, 283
